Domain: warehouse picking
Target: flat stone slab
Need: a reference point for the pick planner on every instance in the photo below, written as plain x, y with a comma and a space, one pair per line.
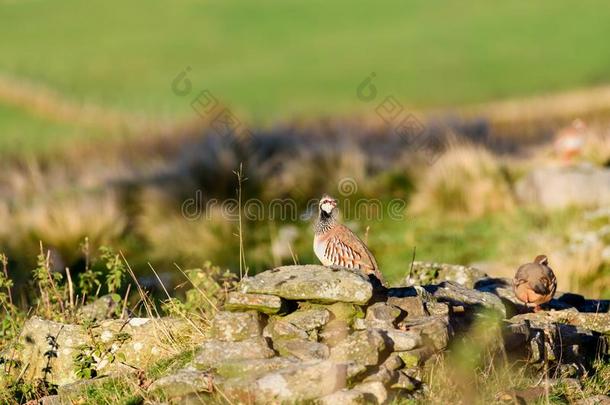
183, 382
302, 349
267, 304
253, 368
308, 319
301, 383
361, 347
311, 282
422, 273
236, 326
214, 352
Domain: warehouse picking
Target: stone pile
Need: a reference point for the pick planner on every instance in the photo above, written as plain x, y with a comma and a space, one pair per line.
312, 333
326, 335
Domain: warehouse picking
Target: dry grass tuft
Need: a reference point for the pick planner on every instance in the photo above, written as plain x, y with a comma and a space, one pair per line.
466, 180
597, 147
62, 222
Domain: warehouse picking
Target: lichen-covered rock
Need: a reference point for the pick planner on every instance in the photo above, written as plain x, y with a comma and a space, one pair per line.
594, 400
346, 397
599, 322
308, 319
361, 347
434, 331
383, 375
303, 382
455, 294
413, 306
405, 382
235, 326
301, 349
47, 348
400, 340
279, 329
334, 332
267, 304
50, 400
424, 273
253, 368
381, 315
311, 282
438, 308
79, 391
374, 388
104, 307
550, 337
183, 382
214, 352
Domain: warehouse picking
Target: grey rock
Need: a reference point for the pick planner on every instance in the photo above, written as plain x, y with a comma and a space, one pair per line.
393, 362
235, 326
215, 352
301, 349
424, 273
183, 382
104, 307
595, 400
311, 282
402, 340
253, 368
279, 329
434, 331
438, 308
556, 337
78, 391
346, 397
50, 400
381, 315
267, 304
383, 375
361, 347
413, 306
148, 341
374, 388
457, 295
303, 382
308, 319
562, 187
334, 332
405, 382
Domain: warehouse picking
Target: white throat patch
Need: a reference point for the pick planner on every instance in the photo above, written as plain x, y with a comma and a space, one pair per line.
327, 207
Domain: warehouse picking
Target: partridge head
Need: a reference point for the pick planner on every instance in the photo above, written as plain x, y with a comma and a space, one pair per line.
535, 283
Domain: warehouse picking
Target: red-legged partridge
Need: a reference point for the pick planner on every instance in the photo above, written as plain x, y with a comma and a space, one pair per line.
336, 245
535, 283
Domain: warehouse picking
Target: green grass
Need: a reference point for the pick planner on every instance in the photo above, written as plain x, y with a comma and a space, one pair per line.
271, 59
23, 132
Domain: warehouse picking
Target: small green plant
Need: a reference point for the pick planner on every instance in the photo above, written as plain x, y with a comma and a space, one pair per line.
91, 354
52, 293
13, 318
210, 286
89, 283
116, 269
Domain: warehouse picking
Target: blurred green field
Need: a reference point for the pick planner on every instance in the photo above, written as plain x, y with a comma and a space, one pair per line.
273, 60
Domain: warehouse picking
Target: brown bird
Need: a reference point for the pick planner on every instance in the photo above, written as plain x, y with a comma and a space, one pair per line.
336, 245
570, 141
535, 283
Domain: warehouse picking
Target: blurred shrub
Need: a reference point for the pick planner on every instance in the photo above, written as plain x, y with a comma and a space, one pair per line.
597, 148
466, 180
62, 222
